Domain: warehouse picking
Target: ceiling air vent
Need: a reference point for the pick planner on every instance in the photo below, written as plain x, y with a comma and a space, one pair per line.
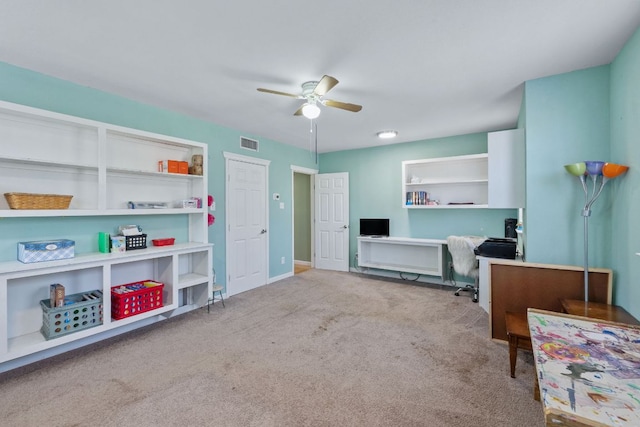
249, 144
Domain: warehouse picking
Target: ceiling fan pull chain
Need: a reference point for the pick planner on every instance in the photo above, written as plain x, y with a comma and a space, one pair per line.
311, 138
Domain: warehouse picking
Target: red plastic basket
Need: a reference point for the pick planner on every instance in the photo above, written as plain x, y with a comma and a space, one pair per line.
168, 241
135, 298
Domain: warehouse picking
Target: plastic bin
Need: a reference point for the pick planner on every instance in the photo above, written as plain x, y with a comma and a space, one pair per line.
135, 298
81, 311
136, 242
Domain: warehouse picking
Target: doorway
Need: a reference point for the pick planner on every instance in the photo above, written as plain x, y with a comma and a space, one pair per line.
302, 218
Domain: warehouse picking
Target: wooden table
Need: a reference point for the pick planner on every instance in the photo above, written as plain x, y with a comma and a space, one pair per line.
596, 310
588, 370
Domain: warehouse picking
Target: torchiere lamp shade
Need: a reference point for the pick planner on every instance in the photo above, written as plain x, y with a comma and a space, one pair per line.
594, 167
576, 169
612, 170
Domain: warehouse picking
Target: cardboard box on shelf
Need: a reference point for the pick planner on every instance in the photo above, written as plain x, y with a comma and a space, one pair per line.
168, 166
183, 167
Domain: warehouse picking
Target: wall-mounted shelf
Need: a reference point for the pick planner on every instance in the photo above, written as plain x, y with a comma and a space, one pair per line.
487, 180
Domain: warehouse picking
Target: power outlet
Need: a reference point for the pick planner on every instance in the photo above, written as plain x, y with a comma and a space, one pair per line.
282, 260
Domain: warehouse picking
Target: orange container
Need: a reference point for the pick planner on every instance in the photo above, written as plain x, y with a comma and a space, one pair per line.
170, 166
183, 167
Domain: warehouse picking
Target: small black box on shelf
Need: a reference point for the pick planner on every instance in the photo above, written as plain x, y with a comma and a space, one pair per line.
136, 242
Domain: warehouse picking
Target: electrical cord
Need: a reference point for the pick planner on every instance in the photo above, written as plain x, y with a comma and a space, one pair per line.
452, 278
411, 280
355, 263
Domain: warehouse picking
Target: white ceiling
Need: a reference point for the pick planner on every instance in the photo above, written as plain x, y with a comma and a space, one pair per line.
427, 68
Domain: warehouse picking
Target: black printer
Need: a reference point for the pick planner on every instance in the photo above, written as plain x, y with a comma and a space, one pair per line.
495, 247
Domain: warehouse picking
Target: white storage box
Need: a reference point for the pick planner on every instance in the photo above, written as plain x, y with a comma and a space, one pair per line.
45, 250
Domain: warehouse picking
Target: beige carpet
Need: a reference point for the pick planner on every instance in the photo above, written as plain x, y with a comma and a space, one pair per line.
317, 349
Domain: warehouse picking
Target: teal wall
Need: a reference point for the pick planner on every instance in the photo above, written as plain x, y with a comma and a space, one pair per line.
302, 217
591, 114
375, 190
567, 121
625, 148
26, 87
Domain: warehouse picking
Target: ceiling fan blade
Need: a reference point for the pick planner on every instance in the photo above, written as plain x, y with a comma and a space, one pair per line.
275, 92
342, 105
325, 85
299, 112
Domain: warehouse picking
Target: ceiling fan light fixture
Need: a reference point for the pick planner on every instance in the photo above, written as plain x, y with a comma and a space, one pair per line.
310, 110
387, 134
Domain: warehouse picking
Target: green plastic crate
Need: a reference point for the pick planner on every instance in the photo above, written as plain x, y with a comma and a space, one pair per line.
81, 311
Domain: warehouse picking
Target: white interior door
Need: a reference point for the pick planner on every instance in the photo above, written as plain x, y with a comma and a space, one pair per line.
247, 242
332, 221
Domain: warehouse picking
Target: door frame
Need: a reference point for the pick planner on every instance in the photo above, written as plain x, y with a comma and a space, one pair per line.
256, 161
311, 173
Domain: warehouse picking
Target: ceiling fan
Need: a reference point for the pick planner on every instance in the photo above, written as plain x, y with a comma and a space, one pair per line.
313, 92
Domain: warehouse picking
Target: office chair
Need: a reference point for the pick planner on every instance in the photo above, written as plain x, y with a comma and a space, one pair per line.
464, 260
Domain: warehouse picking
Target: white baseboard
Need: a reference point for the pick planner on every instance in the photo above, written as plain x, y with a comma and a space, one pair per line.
280, 277
302, 262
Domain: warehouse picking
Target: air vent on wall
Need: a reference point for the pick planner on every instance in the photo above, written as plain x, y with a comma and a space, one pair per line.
249, 144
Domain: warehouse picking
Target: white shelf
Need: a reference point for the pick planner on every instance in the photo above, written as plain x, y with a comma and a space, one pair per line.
191, 279
459, 182
476, 181
16, 213
446, 182
38, 162
403, 254
104, 167
153, 173
451, 206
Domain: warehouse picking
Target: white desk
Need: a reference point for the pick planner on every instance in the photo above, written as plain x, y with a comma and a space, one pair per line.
403, 254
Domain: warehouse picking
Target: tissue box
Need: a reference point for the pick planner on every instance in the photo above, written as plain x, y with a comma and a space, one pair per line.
45, 250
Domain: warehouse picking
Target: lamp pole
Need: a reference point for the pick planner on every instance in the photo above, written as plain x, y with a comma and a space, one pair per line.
599, 172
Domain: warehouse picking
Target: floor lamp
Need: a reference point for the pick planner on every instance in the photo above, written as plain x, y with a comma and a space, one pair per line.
600, 173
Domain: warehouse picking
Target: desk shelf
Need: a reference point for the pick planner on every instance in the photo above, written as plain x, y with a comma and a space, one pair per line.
406, 255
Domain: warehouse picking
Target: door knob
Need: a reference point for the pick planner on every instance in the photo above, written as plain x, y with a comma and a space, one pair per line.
263, 231
345, 226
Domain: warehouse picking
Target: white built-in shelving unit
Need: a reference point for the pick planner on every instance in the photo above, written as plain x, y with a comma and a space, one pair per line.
487, 180
104, 167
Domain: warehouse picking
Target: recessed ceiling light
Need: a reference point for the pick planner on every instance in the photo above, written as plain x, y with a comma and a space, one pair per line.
387, 134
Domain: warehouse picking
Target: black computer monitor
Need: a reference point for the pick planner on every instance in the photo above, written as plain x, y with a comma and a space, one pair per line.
374, 227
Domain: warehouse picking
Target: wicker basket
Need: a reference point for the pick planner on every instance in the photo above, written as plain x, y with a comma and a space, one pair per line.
37, 201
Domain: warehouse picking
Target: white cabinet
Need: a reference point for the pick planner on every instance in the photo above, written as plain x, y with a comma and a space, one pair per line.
104, 167
22, 286
506, 169
408, 255
488, 180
